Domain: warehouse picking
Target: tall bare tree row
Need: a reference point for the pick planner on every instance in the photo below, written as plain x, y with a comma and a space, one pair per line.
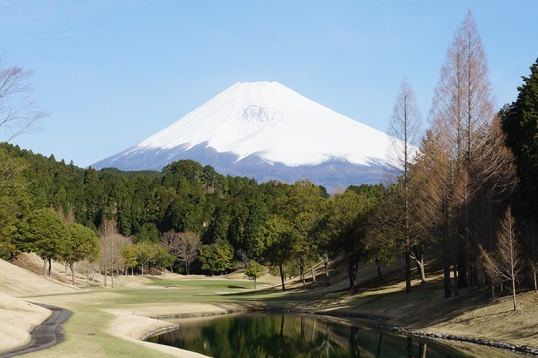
453, 190
477, 168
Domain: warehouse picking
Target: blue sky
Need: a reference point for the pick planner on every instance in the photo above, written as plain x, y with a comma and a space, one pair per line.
111, 73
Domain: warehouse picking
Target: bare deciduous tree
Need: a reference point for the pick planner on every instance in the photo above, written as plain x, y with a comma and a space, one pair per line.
111, 246
18, 114
504, 265
183, 245
404, 131
462, 111
432, 178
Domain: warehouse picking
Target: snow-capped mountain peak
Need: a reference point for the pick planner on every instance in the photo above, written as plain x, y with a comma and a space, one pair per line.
271, 119
265, 122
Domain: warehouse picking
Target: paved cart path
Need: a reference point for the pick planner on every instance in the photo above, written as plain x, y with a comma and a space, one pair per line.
46, 335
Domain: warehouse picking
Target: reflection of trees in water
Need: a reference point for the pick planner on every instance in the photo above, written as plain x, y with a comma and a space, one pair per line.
326, 345
354, 343
422, 348
285, 335
379, 345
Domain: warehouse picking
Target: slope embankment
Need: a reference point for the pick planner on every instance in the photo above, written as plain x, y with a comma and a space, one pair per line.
18, 316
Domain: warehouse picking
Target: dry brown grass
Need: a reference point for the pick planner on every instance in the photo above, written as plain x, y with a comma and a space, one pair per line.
425, 308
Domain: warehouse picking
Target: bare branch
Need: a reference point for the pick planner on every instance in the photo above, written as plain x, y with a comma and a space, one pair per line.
18, 113
183, 245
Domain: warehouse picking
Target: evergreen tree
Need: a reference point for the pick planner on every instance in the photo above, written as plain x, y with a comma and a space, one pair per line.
302, 206
520, 123
45, 234
273, 244
81, 244
14, 199
217, 257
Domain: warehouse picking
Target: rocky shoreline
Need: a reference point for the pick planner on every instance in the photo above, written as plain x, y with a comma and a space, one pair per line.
483, 342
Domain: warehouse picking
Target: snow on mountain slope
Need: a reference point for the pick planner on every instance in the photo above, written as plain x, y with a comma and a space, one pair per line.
277, 124
251, 127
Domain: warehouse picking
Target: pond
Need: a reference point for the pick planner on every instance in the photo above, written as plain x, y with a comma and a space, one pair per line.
262, 335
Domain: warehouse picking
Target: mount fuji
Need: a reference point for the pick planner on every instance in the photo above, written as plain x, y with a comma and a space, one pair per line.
265, 131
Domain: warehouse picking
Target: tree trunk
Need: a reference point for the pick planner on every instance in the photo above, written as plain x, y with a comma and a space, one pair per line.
112, 279
462, 265
50, 265
72, 267
313, 272
254, 282
514, 293
282, 278
446, 276
301, 271
378, 269
104, 278
407, 271
326, 265
352, 272
420, 269
44, 266
456, 290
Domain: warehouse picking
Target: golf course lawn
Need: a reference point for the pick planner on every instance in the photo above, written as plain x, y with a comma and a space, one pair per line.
110, 322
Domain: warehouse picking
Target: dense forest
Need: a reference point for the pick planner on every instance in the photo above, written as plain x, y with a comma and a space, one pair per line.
461, 193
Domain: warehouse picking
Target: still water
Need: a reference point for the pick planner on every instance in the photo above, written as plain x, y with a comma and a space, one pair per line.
264, 335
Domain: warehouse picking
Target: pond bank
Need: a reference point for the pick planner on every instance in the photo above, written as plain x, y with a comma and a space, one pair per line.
374, 324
